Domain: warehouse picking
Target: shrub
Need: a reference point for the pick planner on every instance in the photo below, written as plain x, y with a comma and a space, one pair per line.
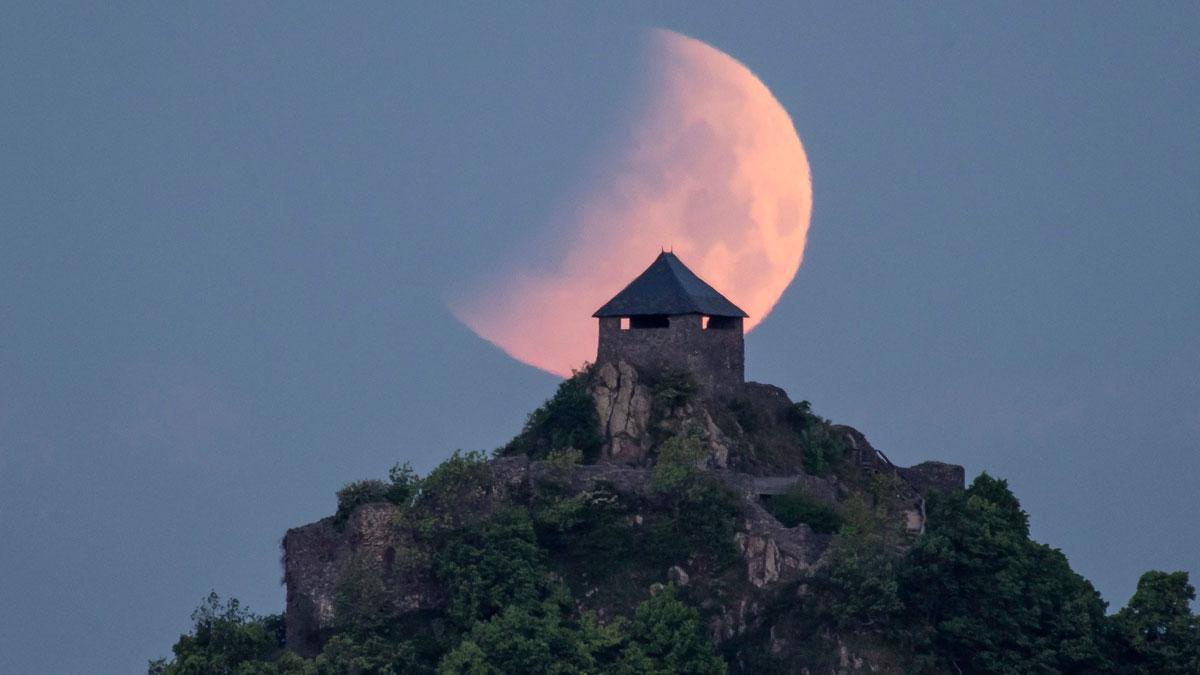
795, 507
823, 447
667, 637
533, 638
353, 495
679, 460
673, 388
404, 483
700, 511
861, 579
451, 493
490, 565
225, 638
589, 530
566, 420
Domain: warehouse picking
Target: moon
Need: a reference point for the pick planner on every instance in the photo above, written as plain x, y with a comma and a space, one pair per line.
711, 167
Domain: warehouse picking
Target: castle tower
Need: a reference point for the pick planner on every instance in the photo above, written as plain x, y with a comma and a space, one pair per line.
669, 318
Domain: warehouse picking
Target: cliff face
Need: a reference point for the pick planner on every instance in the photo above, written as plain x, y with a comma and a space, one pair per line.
755, 446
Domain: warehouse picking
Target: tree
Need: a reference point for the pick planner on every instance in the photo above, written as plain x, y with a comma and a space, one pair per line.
491, 565
1157, 630
666, 637
533, 639
228, 639
992, 601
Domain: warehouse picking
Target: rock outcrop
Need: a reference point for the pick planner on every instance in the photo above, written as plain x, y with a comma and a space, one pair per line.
631, 419
754, 440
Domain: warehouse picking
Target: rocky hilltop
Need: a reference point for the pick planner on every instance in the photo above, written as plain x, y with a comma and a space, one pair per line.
777, 482
642, 522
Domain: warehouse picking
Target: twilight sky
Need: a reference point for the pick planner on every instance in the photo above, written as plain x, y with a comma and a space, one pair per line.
228, 234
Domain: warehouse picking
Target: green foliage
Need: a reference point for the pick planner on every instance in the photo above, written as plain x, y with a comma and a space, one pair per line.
533, 639
986, 599
667, 637
824, 448
588, 532
672, 388
458, 488
373, 635
567, 420
491, 565
347, 653
679, 461
1157, 631
226, 639
699, 512
403, 484
973, 595
462, 472
565, 459
861, 578
354, 495
363, 604
795, 507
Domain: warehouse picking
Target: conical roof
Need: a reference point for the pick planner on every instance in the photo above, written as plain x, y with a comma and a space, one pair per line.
669, 287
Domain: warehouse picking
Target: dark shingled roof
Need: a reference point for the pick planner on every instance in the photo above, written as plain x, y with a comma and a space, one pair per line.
668, 287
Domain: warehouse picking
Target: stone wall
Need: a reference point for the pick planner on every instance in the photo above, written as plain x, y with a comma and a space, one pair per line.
938, 476
316, 558
716, 357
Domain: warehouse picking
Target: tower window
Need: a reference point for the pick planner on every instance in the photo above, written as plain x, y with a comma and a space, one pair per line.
624, 323
722, 323
650, 321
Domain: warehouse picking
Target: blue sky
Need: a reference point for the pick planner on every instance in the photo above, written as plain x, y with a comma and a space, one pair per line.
228, 230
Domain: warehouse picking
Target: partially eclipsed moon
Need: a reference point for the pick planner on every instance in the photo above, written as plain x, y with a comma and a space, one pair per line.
713, 169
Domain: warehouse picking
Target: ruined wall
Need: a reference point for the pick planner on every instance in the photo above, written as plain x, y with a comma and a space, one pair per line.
716, 357
938, 476
317, 557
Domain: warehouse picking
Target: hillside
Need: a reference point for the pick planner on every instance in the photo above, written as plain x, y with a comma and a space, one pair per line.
639, 525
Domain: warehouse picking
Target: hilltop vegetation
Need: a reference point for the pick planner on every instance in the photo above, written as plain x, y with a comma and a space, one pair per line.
565, 575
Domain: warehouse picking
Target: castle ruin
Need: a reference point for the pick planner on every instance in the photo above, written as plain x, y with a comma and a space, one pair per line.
670, 319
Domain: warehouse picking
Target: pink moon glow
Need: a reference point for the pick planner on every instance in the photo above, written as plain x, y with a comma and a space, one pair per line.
712, 168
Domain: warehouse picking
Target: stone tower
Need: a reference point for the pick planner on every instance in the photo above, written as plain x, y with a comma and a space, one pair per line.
669, 318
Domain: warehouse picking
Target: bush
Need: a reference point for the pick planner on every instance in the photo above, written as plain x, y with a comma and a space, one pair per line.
700, 511
679, 462
823, 447
533, 638
404, 484
225, 638
458, 488
861, 579
567, 420
667, 637
672, 388
795, 507
490, 565
353, 495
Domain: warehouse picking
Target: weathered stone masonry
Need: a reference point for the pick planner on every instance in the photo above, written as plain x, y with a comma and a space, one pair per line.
715, 355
